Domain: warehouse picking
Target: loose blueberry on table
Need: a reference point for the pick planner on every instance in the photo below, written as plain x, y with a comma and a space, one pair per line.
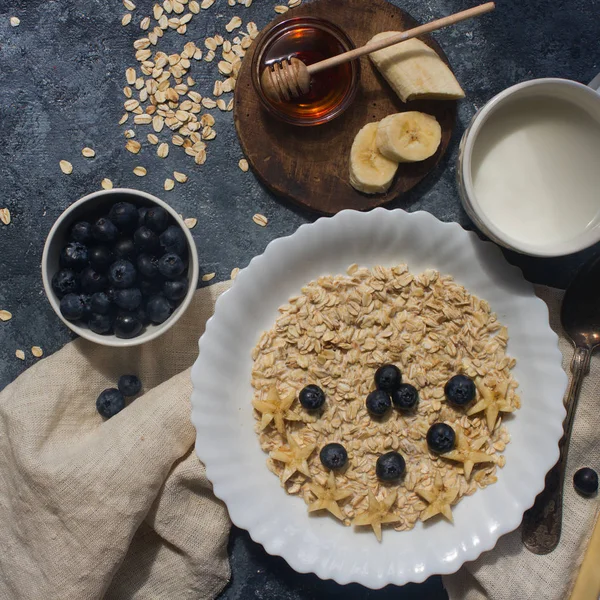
110, 402
333, 456
312, 397
460, 390
390, 466
585, 481
122, 270
441, 438
129, 385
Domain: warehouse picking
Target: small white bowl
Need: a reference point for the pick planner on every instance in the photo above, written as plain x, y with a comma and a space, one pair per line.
56, 238
495, 122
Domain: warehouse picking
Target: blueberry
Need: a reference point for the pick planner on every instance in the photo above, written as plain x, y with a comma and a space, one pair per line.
390, 466
127, 326
145, 240
440, 438
585, 481
150, 287
147, 265
174, 240
333, 456
125, 248
388, 378
378, 403
92, 281
460, 390
100, 303
405, 397
312, 397
74, 256
86, 303
122, 274
170, 265
128, 299
101, 324
157, 219
129, 385
71, 307
100, 258
124, 215
104, 230
110, 402
65, 282
142, 215
111, 292
81, 232
158, 309
175, 289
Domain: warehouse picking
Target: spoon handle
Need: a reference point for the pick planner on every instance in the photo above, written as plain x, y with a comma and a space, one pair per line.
542, 523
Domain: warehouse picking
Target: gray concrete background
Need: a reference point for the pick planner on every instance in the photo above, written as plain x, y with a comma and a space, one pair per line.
61, 80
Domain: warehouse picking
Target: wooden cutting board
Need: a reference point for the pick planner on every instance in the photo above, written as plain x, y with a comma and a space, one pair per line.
309, 165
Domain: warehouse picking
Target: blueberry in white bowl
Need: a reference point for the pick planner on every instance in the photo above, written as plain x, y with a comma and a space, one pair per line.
120, 267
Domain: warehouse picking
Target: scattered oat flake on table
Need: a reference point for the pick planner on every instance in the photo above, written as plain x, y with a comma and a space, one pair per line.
126, 19
66, 167
190, 222
207, 4
208, 276
294, 3
180, 177
5, 216
234, 273
233, 24
5, 315
20, 354
140, 171
169, 184
163, 150
133, 146
107, 184
128, 4
152, 139
37, 351
123, 119
88, 152
260, 219
243, 165
281, 9
15, 21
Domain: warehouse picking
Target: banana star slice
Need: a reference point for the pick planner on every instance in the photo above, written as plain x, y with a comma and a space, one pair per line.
492, 402
468, 454
370, 171
414, 70
409, 136
328, 497
276, 409
294, 457
439, 498
378, 513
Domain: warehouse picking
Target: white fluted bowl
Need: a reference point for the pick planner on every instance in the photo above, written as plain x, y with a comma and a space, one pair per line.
222, 410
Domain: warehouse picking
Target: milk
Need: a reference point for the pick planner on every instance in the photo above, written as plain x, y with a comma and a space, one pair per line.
536, 170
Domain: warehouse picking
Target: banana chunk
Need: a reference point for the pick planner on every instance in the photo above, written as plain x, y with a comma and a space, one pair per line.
370, 171
414, 70
409, 136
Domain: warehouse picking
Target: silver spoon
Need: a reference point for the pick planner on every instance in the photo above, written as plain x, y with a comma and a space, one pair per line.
580, 318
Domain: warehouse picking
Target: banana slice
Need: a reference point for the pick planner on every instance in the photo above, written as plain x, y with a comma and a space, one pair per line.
370, 171
409, 136
414, 70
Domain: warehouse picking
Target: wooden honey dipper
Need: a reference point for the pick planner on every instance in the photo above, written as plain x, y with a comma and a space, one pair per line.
289, 78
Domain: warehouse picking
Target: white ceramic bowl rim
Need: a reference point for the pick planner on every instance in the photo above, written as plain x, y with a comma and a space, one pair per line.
222, 413
574, 245
150, 334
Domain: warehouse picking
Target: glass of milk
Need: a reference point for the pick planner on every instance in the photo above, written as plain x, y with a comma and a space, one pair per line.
529, 167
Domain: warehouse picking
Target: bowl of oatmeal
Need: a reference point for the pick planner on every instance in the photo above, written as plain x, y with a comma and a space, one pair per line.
327, 397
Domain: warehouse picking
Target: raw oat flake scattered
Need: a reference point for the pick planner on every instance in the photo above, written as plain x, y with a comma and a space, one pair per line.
20, 354
260, 219
107, 184
5, 315
37, 351
15, 21
190, 222
5, 216
88, 152
243, 165
66, 167
208, 276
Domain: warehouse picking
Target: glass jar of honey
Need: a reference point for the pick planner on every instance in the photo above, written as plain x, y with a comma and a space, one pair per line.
310, 40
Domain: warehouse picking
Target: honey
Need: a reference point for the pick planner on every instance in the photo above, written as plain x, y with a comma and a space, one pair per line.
310, 40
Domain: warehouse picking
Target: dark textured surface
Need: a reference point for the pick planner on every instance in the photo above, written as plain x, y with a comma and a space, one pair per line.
61, 76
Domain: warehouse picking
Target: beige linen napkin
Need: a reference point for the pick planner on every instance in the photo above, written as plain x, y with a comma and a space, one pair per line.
119, 508
510, 572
